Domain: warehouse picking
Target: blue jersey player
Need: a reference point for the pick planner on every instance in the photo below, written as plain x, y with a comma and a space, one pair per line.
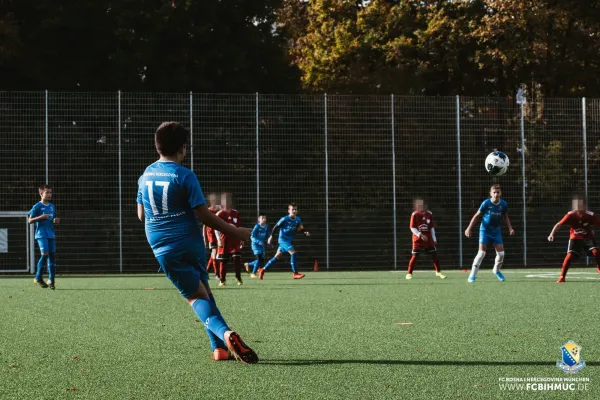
43, 215
258, 237
494, 210
169, 201
288, 226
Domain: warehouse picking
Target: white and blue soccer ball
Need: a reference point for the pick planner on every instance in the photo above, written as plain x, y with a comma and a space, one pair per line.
496, 163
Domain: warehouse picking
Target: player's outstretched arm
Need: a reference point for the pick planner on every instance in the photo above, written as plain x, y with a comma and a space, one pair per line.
511, 231
210, 219
473, 220
554, 230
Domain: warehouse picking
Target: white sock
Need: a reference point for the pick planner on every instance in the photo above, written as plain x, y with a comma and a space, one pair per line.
477, 262
499, 261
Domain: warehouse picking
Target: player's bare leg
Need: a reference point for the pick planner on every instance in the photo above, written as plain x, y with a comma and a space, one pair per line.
498, 262
477, 262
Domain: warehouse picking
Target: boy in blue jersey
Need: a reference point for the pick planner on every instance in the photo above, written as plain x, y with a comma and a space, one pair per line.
493, 210
288, 226
258, 237
43, 215
169, 201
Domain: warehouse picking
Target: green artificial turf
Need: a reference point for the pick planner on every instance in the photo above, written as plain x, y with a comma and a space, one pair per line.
332, 335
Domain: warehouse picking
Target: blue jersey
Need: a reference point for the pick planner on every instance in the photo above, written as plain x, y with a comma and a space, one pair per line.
169, 193
492, 213
44, 229
259, 235
288, 227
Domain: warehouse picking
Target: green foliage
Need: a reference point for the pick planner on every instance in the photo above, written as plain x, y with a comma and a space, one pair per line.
548, 173
445, 47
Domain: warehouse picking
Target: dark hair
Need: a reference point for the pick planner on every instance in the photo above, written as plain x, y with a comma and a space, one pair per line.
495, 186
44, 187
170, 137
579, 196
292, 204
262, 214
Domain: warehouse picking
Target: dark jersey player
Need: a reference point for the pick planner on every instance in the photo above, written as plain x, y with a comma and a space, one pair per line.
210, 239
423, 238
171, 203
581, 236
229, 246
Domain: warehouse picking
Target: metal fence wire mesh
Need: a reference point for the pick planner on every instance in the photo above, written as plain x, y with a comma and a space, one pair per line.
352, 164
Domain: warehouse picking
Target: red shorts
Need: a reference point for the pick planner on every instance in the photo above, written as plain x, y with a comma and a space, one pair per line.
231, 248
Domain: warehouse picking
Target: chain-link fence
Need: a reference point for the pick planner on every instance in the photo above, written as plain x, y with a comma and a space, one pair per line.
353, 164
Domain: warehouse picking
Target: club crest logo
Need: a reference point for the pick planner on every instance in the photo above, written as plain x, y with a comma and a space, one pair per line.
571, 362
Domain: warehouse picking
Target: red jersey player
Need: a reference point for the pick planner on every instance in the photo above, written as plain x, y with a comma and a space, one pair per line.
423, 238
210, 239
229, 247
581, 237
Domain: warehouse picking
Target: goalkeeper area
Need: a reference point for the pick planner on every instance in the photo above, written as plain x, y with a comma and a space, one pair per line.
332, 335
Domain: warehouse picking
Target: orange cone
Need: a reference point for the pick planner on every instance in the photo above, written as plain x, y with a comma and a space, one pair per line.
316, 266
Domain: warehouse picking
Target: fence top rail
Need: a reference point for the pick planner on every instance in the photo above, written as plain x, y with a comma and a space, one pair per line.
345, 95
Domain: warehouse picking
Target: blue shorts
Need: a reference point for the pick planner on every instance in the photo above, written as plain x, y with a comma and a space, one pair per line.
285, 247
490, 237
185, 269
47, 245
258, 250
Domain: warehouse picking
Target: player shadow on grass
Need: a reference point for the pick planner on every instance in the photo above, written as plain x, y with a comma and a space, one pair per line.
175, 289
433, 363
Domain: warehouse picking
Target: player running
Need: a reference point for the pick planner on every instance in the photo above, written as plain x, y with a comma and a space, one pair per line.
210, 239
493, 210
423, 238
169, 201
43, 214
259, 239
581, 236
288, 226
229, 246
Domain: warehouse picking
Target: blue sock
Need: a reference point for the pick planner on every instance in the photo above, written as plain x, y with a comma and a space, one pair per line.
40, 267
271, 262
209, 315
52, 266
215, 342
253, 264
293, 262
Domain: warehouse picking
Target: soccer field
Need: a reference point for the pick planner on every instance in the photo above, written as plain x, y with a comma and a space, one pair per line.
332, 335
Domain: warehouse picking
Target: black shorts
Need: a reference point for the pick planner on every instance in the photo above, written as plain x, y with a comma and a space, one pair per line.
581, 247
421, 250
228, 256
212, 245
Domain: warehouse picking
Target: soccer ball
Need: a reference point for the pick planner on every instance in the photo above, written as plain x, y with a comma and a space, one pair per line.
496, 163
